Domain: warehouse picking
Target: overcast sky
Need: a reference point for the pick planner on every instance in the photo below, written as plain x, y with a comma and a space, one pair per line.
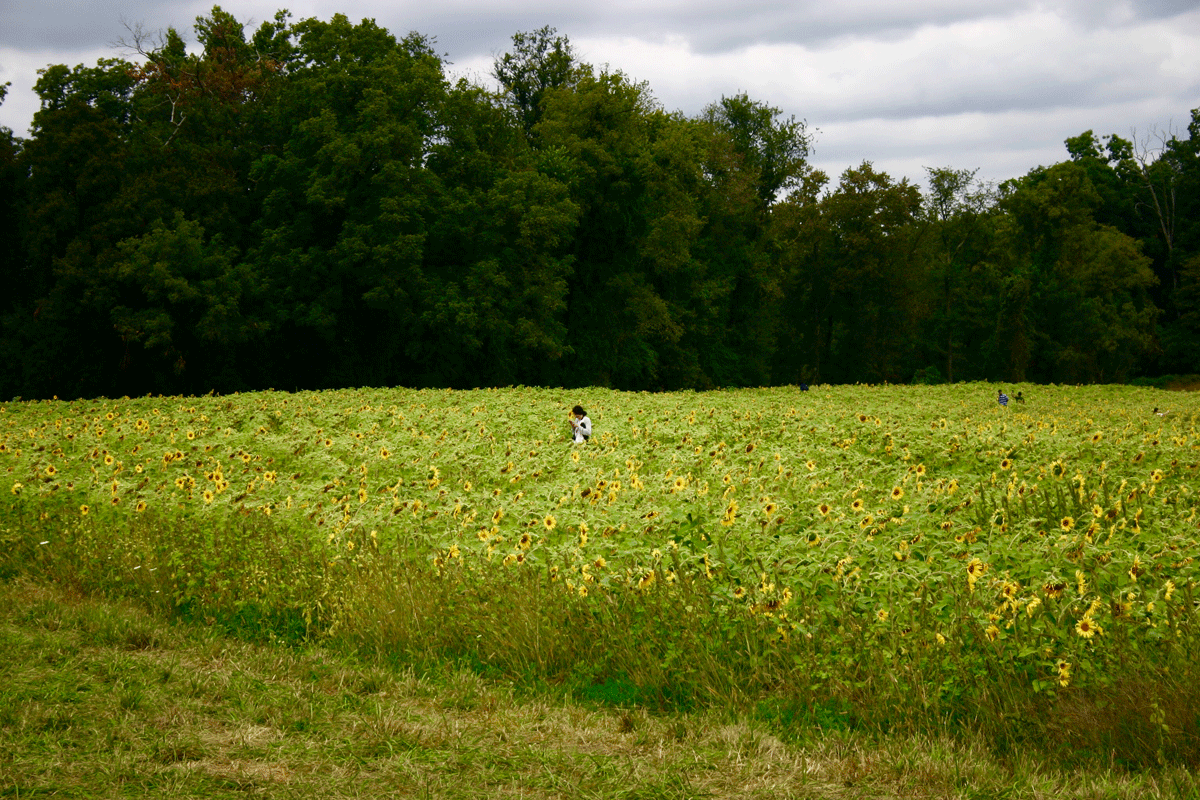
993, 85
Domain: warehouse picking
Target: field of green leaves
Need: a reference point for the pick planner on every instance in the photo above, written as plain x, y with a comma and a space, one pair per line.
902, 558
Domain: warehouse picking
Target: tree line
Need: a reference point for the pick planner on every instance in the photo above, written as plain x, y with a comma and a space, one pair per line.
315, 204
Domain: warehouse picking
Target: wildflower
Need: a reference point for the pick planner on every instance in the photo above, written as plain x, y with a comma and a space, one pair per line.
992, 632
1157, 475
362, 495
384, 453
940, 639
16, 487
548, 522
1005, 463
1057, 470
1064, 672
1054, 590
497, 515
1033, 604
141, 506
583, 538
526, 541
881, 615
83, 511
1168, 590
897, 492
730, 513
823, 509
208, 495
509, 559
811, 465
1086, 627
1066, 523
1081, 582
865, 522
575, 456
920, 469
1135, 569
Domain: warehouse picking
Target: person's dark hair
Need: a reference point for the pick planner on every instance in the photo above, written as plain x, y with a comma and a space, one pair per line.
578, 411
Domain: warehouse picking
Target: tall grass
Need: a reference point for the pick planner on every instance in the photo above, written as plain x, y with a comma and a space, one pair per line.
925, 654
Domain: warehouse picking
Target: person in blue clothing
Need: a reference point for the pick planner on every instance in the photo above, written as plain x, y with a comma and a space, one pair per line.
1002, 398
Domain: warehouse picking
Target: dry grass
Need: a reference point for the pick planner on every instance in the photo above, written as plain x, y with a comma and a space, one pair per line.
102, 700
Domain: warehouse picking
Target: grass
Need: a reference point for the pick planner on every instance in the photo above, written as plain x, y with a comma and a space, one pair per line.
103, 699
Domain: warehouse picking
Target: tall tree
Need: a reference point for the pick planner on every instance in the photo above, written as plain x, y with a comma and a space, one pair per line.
539, 61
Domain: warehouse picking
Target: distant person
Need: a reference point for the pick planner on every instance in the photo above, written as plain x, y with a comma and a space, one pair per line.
1020, 398
804, 387
1002, 398
581, 424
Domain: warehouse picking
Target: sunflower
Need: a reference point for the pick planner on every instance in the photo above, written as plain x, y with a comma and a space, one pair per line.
384, 453
881, 615
1006, 463
141, 506
497, 515
810, 465
1086, 627
1058, 470
1066, 523
865, 522
920, 469
208, 495
857, 505
897, 493
83, 511
1157, 475
575, 456
362, 495
1097, 436
1138, 458
549, 523
526, 541
823, 509
1064, 671
769, 509
1054, 590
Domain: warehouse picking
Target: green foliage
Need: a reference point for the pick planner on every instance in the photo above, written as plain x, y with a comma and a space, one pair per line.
343, 216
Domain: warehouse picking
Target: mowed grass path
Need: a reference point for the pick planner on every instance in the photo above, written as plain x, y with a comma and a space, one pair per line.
100, 699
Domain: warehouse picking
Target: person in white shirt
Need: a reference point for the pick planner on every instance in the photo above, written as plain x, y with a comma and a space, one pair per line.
581, 424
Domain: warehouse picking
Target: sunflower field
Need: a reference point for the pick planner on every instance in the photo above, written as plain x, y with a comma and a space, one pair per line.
892, 556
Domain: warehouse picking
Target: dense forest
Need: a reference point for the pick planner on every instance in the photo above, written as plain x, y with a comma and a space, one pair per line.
315, 204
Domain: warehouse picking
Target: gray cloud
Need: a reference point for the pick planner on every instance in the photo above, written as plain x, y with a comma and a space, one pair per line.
994, 84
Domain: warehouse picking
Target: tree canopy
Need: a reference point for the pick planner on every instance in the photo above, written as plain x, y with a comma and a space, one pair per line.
316, 204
